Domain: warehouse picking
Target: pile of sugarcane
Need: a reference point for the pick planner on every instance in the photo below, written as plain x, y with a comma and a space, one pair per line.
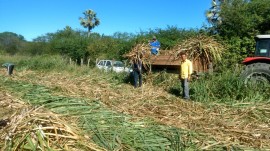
140, 51
38, 129
210, 127
204, 49
201, 47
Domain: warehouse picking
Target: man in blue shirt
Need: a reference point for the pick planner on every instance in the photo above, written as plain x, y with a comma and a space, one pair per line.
155, 45
9, 66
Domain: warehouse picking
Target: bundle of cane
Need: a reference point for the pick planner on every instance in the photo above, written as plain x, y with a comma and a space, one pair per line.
140, 51
201, 47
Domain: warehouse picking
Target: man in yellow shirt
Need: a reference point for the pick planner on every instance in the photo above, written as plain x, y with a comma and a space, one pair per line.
185, 74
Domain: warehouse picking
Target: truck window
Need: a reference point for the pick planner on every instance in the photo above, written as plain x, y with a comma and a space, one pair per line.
118, 64
108, 63
101, 63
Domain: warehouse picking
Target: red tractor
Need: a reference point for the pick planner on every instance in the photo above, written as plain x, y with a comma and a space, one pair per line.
257, 68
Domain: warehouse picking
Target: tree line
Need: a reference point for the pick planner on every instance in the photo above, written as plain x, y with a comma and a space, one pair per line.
234, 23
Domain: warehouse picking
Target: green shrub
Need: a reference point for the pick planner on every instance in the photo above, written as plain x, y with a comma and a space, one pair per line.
223, 87
227, 87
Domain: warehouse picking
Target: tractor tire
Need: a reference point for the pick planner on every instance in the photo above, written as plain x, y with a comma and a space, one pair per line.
258, 73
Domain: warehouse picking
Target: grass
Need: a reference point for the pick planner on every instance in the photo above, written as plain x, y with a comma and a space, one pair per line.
43, 63
225, 87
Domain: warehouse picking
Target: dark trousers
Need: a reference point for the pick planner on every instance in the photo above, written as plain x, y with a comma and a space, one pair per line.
10, 69
137, 77
185, 88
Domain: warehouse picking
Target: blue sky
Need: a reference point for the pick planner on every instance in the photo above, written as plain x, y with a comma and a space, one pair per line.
33, 18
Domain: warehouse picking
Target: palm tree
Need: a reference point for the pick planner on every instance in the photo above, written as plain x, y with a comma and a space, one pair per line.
212, 14
90, 21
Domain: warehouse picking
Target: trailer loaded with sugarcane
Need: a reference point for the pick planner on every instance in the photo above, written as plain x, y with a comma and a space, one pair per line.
203, 51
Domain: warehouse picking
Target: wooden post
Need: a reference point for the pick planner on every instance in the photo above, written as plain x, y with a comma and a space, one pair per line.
70, 61
237, 69
210, 68
88, 62
81, 61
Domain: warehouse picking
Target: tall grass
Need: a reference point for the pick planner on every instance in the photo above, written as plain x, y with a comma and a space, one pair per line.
225, 87
43, 63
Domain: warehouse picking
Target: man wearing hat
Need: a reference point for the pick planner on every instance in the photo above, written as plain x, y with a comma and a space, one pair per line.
155, 45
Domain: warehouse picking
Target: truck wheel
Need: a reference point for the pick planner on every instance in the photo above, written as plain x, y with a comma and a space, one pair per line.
256, 73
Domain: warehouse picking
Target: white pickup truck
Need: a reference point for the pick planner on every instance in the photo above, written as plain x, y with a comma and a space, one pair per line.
110, 65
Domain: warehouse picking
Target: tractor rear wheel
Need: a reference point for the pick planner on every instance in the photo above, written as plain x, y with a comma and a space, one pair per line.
256, 73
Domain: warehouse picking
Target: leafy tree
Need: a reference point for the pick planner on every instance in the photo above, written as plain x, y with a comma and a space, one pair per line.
212, 15
36, 48
46, 38
11, 43
237, 22
237, 49
243, 18
103, 47
168, 37
171, 36
90, 20
260, 10
69, 43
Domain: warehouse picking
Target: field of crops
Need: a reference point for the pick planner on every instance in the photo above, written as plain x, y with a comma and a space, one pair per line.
80, 108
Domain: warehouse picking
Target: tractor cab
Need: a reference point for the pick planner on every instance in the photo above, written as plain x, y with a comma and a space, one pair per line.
262, 46
262, 52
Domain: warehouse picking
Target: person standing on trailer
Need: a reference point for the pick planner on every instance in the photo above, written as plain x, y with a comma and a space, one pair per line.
155, 45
